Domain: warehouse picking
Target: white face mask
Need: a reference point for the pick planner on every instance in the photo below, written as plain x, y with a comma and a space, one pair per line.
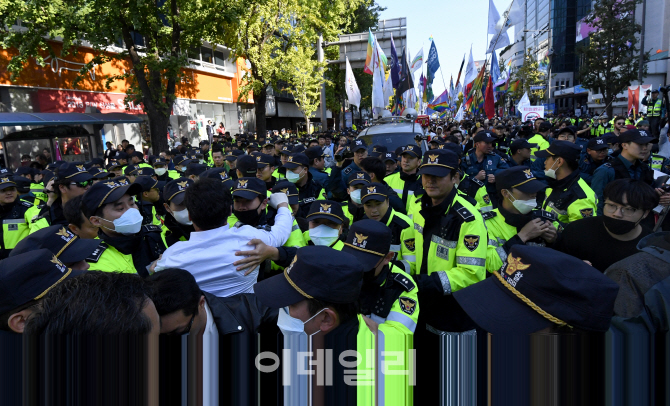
290, 325
551, 172
160, 171
293, 177
129, 223
524, 206
356, 196
324, 235
182, 217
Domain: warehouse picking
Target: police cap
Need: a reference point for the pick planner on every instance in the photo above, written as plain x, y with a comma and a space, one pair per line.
519, 177
636, 136
113, 165
219, 174
289, 189
357, 145
377, 150
597, 144
520, 143
7, 180
120, 155
159, 161
73, 171
30, 276
314, 153
374, 191
438, 162
99, 173
174, 190
180, 160
286, 150
295, 160
130, 170
450, 146
63, 243
247, 165
485, 136
327, 210
234, 154
298, 149
563, 149
250, 188
305, 279
146, 182
263, 160
412, 150
537, 288
102, 193
358, 178
195, 169
369, 241
389, 156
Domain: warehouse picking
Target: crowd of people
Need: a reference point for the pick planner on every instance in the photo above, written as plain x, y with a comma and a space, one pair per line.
490, 226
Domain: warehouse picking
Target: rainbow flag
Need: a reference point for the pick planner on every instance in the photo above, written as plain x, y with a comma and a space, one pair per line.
368, 57
514, 86
442, 106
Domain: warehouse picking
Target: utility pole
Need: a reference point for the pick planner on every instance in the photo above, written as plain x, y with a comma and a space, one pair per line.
324, 118
641, 68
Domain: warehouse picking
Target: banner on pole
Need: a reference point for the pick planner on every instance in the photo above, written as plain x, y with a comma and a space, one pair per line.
531, 112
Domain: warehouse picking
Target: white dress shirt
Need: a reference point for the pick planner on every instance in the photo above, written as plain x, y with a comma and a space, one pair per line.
209, 255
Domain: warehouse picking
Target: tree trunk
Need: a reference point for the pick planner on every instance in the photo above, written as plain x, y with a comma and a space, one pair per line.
610, 106
307, 123
259, 106
158, 124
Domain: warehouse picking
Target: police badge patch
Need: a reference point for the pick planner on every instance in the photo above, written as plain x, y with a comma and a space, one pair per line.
586, 212
486, 199
471, 242
407, 305
409, 244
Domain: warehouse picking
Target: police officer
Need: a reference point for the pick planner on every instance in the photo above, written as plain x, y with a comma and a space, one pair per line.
296, 170
317, 166
596, 155
71, 180
14, 215
540, 139
407, 181
265, 169
122, 159
327, 224
163, 174
100, 174
127, 246
219, 174
249, 203
654, 109
390, 159
148, 199
568, 194
296, 238
388, 295
377, 207
131, 172
360, 150
482, 163
181, 163
449, 241
516, 221
138, 160
114, 168
177, 225
520, 153
353, 207
231, 159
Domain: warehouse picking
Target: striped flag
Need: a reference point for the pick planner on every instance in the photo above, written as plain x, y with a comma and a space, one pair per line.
369, 60
417, 61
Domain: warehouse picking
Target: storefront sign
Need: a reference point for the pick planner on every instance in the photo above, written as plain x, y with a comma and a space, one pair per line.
67, 101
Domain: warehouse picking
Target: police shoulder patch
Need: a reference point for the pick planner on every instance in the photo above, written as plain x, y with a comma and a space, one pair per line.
347, 170
407, 305
465, 213
151, 228
97, 253
489, 215
409, 244
27, 204
406, 282
486, 199
471, 242
586, 212
477, 181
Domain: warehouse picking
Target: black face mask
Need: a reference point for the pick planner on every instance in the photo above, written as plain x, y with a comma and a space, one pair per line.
248, 217
619, 227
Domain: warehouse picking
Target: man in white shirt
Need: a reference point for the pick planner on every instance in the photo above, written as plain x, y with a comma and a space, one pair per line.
210, 252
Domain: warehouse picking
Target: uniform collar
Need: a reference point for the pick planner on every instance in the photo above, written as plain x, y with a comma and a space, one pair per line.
387, 217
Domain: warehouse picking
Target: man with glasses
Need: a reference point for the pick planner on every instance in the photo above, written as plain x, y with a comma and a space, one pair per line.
71, 180
626, 203
619, 126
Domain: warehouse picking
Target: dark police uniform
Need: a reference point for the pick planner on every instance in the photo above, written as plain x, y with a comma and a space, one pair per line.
15, 221
405, 185
587, 166
310, 191
491, 163
173, 231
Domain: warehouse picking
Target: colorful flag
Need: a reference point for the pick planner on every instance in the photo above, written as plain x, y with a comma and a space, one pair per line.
417, 61
378, 79
495, 69
514, 86
394, 64
433, 61
369, 68
350, 86
458, 79
489, 102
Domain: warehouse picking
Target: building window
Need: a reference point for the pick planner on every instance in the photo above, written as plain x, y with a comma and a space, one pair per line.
207, 54
567, 83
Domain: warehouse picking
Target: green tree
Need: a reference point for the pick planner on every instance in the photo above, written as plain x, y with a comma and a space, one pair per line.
610, 55
529, 75
268, 30
304, 77
167, 29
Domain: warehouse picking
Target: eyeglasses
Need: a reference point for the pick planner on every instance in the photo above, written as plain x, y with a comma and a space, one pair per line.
611, 208
83, 184
187, 330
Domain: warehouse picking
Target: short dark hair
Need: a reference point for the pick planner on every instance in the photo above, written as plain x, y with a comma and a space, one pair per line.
72, 211
208, 203
94, 303
617, 118
174, 289
345, 311
60, 182
374, 165
638, 194
453, 139
4, 318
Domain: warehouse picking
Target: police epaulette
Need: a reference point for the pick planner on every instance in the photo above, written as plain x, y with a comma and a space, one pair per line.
465, 213
347, 170
489, 215
477, 181
404, 281
27, 204
95, 255
152, 228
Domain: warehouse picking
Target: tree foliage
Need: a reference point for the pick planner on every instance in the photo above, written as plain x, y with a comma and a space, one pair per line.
529, 75
611, 54
304, 75
153, 69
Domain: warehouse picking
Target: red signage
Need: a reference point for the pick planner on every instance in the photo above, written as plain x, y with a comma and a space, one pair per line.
424, 120
68, 101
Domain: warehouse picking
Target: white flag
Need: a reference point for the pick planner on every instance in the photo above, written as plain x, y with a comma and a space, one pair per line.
498, 41
525, 101
388, 89
459, 114
378, 84
494, 17
353, 93
470, 70
417, 61
513, 15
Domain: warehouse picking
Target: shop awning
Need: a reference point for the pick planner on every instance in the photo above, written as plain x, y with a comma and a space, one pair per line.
36, 119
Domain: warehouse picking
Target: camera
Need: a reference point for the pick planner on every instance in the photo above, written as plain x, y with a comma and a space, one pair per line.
344, 154
664, 89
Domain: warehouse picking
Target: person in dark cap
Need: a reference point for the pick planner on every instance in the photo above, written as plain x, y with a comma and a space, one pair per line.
100, 174
246, 166
265, 169
250, 201
317, 165
517, 220
377, 207
541, 137
131, 172
114, 168
482, 163
435, 142
181, 163
353, 207
177, 225
520, 153
36, 194
24, 280
163, 174
193, 170
388, 295
79, 224
655, 107
71, 250
231, 159
377, 150
541, 290
360, 151
296, 170
16, 215
219, 174
407, 181
326, 224
126, 245
449, 248
71, 180
148, 200
596, 155
390, 160
296, 238
121, 158
568, 194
